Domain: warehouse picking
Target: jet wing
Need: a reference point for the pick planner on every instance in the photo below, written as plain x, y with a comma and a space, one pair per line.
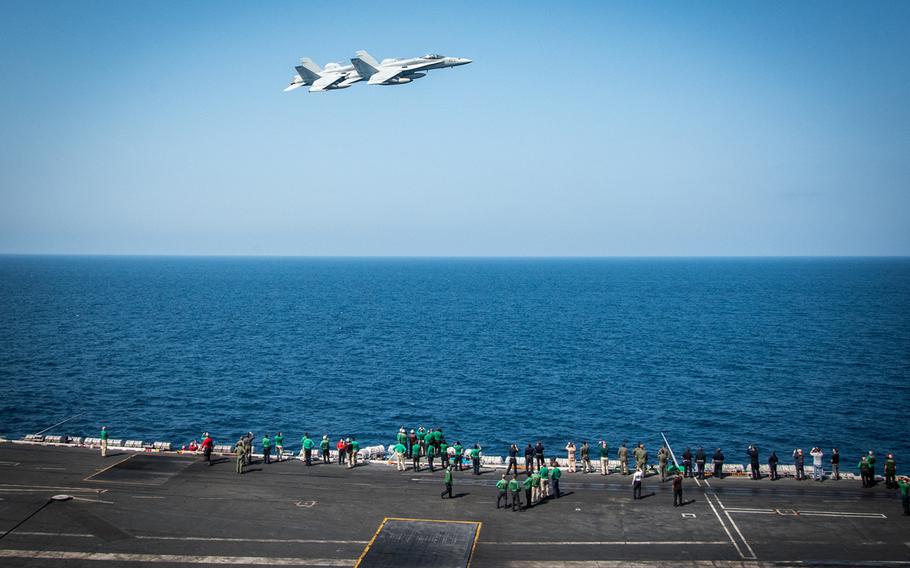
388, 74
326, 81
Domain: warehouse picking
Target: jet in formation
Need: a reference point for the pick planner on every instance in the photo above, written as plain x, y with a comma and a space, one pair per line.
364, 67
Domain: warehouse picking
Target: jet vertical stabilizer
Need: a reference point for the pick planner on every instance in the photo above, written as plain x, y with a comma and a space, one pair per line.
308, 71
364, 69
362, 54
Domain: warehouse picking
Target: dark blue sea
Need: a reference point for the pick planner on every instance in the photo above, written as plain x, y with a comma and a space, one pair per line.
784, 353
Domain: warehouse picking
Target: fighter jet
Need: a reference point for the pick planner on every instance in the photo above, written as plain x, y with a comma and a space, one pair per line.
334, 76
401, 71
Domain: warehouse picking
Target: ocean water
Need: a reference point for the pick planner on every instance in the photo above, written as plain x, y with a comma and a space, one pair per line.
784, 353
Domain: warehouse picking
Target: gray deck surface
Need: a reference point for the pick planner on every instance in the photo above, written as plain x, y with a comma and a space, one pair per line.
169, 510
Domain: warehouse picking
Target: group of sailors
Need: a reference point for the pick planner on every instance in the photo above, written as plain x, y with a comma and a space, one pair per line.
431, 445
310, 450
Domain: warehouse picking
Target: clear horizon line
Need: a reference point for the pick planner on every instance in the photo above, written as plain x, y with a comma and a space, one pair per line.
393, 256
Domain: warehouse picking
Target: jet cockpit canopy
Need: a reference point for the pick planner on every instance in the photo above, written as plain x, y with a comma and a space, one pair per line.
432, 56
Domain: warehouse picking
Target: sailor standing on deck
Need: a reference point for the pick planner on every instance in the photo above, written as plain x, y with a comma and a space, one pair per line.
586, 458
412, 443
700, 459
240, 454
677, 489
459, 454
570, 451
555, 474
342, 448
528, 485
818, 470
448, 481
415, 459
753, 461
402, 438
604, 458
207, 445
248, 448
515, 490
835, 464
266, 449
431, 453
663, 456
623, 455
863, 466
535, 487
502, 486
890, 471
772, 465
308, 445
353, 449
444, 453
636, 483
279, 445
903, 482
103, 437
687, 462
718, 464
529, 459
324, 447
475, 458
544, 481
639, 454
799, 462
400, 451
538, 453
513, 460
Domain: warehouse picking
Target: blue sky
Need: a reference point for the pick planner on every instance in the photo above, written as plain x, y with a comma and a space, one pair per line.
594, 129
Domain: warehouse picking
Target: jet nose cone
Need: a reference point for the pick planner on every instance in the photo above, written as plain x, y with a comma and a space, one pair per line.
465, 61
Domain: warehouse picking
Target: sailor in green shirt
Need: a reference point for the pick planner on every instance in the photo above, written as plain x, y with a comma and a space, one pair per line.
266, 449
402, 437
604, 458
415, 459
399, 450
544, 482
324, 447
870, 461
515, 490
447, 479
103, 437
528, 485
535, 485
422, 440
355, 447
501, 485
459, 453
308, 445
444, 452
903, 482
279, 445
431, 453
555, 474
475, 458
890, 471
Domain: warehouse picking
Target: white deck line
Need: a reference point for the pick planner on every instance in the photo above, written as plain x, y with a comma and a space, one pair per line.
732, 522
724, 525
